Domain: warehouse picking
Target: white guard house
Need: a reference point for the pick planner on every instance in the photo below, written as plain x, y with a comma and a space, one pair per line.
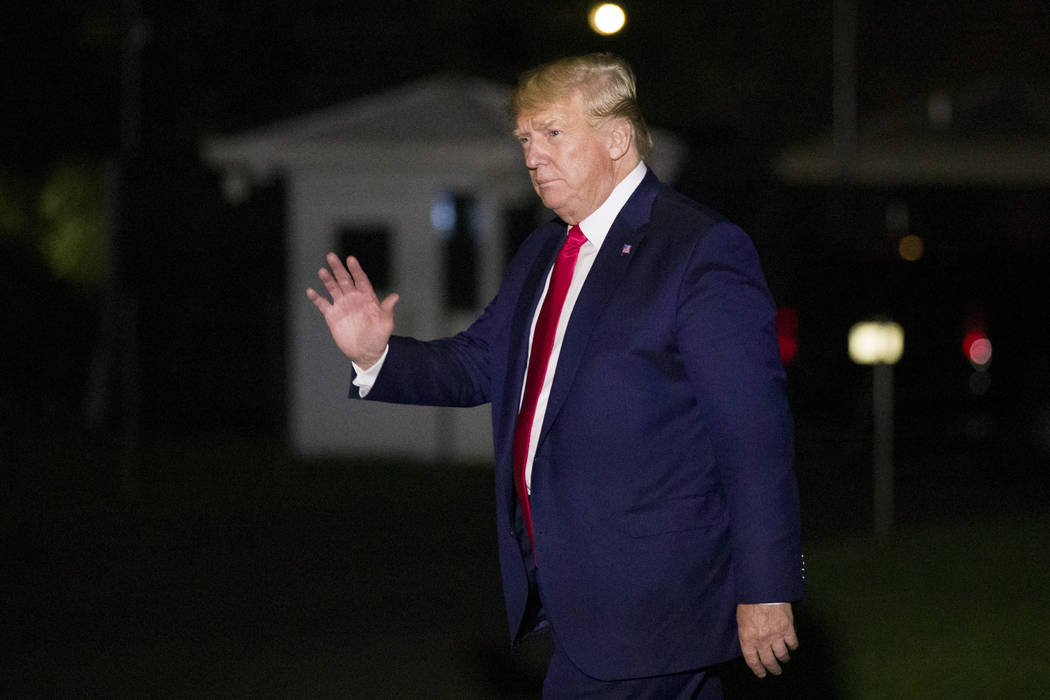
427, 187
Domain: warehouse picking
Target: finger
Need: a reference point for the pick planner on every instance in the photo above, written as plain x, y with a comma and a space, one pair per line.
342, 276
791, 639
769, 661
754, 663
319, 301
780, 650
330, 284
358, 275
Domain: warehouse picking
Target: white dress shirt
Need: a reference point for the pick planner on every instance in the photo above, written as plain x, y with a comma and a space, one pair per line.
595, 228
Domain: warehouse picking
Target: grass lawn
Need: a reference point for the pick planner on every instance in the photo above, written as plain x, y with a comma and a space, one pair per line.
958, 610
244, 573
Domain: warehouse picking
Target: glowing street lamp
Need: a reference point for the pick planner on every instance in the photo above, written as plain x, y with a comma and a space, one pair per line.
607, 19
880, 344
876, 342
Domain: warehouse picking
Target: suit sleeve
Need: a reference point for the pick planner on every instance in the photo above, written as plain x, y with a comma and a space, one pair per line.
726, 333
455, 371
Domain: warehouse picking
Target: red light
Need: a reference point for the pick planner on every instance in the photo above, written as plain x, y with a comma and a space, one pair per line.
977, 348
787, 334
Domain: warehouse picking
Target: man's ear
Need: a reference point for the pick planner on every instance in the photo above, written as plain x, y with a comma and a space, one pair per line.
620, 137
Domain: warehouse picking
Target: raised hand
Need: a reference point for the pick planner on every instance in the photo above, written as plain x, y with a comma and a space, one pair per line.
359, 323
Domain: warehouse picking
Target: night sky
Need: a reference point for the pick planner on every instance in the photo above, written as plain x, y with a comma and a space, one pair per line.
760, 70
736, 80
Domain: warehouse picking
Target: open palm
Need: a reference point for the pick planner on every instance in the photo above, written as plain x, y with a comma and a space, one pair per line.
359, 323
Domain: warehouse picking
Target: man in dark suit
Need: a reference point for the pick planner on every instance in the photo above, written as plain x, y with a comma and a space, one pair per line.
647, 508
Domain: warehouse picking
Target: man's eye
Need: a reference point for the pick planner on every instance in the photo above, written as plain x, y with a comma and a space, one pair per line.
555, 132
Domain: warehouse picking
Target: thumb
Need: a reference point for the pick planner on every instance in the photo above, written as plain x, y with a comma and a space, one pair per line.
387, 304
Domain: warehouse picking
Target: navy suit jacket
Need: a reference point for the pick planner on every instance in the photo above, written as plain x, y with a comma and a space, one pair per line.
663, 487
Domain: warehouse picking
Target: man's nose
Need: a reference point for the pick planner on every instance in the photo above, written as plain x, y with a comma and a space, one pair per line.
534, 156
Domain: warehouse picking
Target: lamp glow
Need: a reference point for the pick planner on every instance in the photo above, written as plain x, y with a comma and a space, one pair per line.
607, 19
880, 344
876, 342
910, 248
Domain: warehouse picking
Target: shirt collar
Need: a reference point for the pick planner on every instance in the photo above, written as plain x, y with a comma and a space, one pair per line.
596, 226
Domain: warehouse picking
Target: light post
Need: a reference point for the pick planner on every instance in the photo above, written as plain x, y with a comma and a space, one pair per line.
123, 292
880, 344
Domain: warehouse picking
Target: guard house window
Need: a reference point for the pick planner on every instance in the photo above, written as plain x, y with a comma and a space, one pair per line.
371, 246
454, 218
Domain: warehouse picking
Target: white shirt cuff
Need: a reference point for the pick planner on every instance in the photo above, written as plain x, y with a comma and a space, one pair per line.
365, 378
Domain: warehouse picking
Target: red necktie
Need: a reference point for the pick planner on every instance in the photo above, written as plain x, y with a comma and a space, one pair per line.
539, 358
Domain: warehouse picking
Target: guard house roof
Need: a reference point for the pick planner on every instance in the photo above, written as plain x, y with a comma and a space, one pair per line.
439, 122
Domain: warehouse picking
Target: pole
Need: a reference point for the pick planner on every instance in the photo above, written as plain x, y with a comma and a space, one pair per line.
845, 85
125, 292
882, 393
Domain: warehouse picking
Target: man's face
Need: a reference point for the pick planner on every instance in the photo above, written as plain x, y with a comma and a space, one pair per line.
569, 161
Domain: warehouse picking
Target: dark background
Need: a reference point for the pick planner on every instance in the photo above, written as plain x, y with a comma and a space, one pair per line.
736, 80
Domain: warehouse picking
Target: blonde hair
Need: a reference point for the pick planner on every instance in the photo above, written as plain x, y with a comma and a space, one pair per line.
604, 81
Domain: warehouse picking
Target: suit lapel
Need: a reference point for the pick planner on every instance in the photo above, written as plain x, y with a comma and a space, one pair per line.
609, 267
